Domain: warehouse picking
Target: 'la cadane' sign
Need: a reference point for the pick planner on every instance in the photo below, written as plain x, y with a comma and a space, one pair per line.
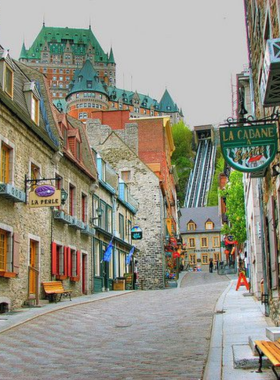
249, 149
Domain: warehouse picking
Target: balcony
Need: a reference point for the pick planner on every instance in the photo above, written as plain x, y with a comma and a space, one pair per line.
88, 230
62, 217
270, 78
78, 224
10, 192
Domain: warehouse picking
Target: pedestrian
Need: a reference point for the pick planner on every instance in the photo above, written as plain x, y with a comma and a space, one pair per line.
135, 274
211, 266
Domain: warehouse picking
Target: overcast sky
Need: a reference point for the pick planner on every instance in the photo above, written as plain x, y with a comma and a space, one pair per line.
192, 48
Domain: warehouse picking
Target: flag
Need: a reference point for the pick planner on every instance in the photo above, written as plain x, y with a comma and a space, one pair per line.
128, 258
108, 252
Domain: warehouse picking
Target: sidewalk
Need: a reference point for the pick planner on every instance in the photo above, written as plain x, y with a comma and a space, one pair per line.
238, 316
22, 315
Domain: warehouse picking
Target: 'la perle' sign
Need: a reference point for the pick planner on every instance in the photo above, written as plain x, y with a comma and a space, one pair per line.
249, 149
45, 196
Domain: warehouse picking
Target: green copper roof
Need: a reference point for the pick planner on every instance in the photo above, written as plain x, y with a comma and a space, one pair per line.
23, 53
86, 80
167, 104
111, 57
145, 101
57, 38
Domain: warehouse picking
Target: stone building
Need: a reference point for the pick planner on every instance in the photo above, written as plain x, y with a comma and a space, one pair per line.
147, 142
262, 21
200, 229
144, 186
114, 213
41, 148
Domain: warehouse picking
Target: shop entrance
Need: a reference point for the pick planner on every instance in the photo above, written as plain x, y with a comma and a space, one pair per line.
33, 271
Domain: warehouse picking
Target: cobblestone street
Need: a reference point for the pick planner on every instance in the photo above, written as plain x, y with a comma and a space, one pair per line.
140, 335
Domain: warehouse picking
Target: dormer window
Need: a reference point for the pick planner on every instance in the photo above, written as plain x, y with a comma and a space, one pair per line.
191, 226
209, 225
9, 81
35, 109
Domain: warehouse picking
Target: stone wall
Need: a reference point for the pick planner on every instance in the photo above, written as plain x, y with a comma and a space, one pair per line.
144, 187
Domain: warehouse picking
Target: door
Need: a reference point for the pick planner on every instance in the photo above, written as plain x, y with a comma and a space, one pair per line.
32, 268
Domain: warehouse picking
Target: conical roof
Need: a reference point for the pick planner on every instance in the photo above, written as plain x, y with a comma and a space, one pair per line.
86, 80
111, 57
23, 53
167, 104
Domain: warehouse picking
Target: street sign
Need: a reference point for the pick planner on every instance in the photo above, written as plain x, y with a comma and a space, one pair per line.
136, 233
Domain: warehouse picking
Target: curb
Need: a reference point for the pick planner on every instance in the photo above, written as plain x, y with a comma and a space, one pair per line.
59, 308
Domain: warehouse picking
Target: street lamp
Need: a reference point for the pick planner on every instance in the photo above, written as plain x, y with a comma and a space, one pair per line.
64, 196
99, 212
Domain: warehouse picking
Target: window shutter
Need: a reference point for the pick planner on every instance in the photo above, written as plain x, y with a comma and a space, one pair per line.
69, 269
78, 264
65, 258
16, 253
54, 260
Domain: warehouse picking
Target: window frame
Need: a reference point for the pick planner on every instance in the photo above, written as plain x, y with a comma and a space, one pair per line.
213, 241
207, 243
191, 226
203, 256
9, 89
189, 242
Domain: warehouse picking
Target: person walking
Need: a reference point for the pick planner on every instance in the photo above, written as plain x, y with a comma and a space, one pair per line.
211, 266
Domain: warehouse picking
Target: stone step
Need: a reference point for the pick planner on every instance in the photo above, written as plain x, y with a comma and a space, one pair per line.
243, 357
273, 333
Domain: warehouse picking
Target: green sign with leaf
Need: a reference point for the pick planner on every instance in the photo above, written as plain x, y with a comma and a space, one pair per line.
249, 149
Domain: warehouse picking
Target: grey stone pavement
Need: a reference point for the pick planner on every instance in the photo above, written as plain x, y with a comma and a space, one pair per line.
163, 334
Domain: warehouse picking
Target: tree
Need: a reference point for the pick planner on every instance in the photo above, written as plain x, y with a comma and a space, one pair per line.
219, 168
235, 209
183, 156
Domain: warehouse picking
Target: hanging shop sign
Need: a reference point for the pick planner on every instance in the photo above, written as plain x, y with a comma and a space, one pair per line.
249, 149
45, 196
136, 233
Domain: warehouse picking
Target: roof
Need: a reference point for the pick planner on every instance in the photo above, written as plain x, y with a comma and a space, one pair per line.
87, 80
47, 129
167, 104
199, 215
57, 38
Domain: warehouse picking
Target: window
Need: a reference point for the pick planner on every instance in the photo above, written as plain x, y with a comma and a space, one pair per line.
121, 226
3, 250
35, 174
122, 263
95, 206
109, 219
5, 164
204, 242
126, 175
9, 81
9, 253
191, 242
84, 208
204, 258
192, 258
72, 200
73, 271
209, 225
96, 257
191, 226
216, 256
35, 109
103, 215
216, 241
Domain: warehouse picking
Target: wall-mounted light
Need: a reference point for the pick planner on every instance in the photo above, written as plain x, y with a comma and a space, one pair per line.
64, 196
99, 212
275, 170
